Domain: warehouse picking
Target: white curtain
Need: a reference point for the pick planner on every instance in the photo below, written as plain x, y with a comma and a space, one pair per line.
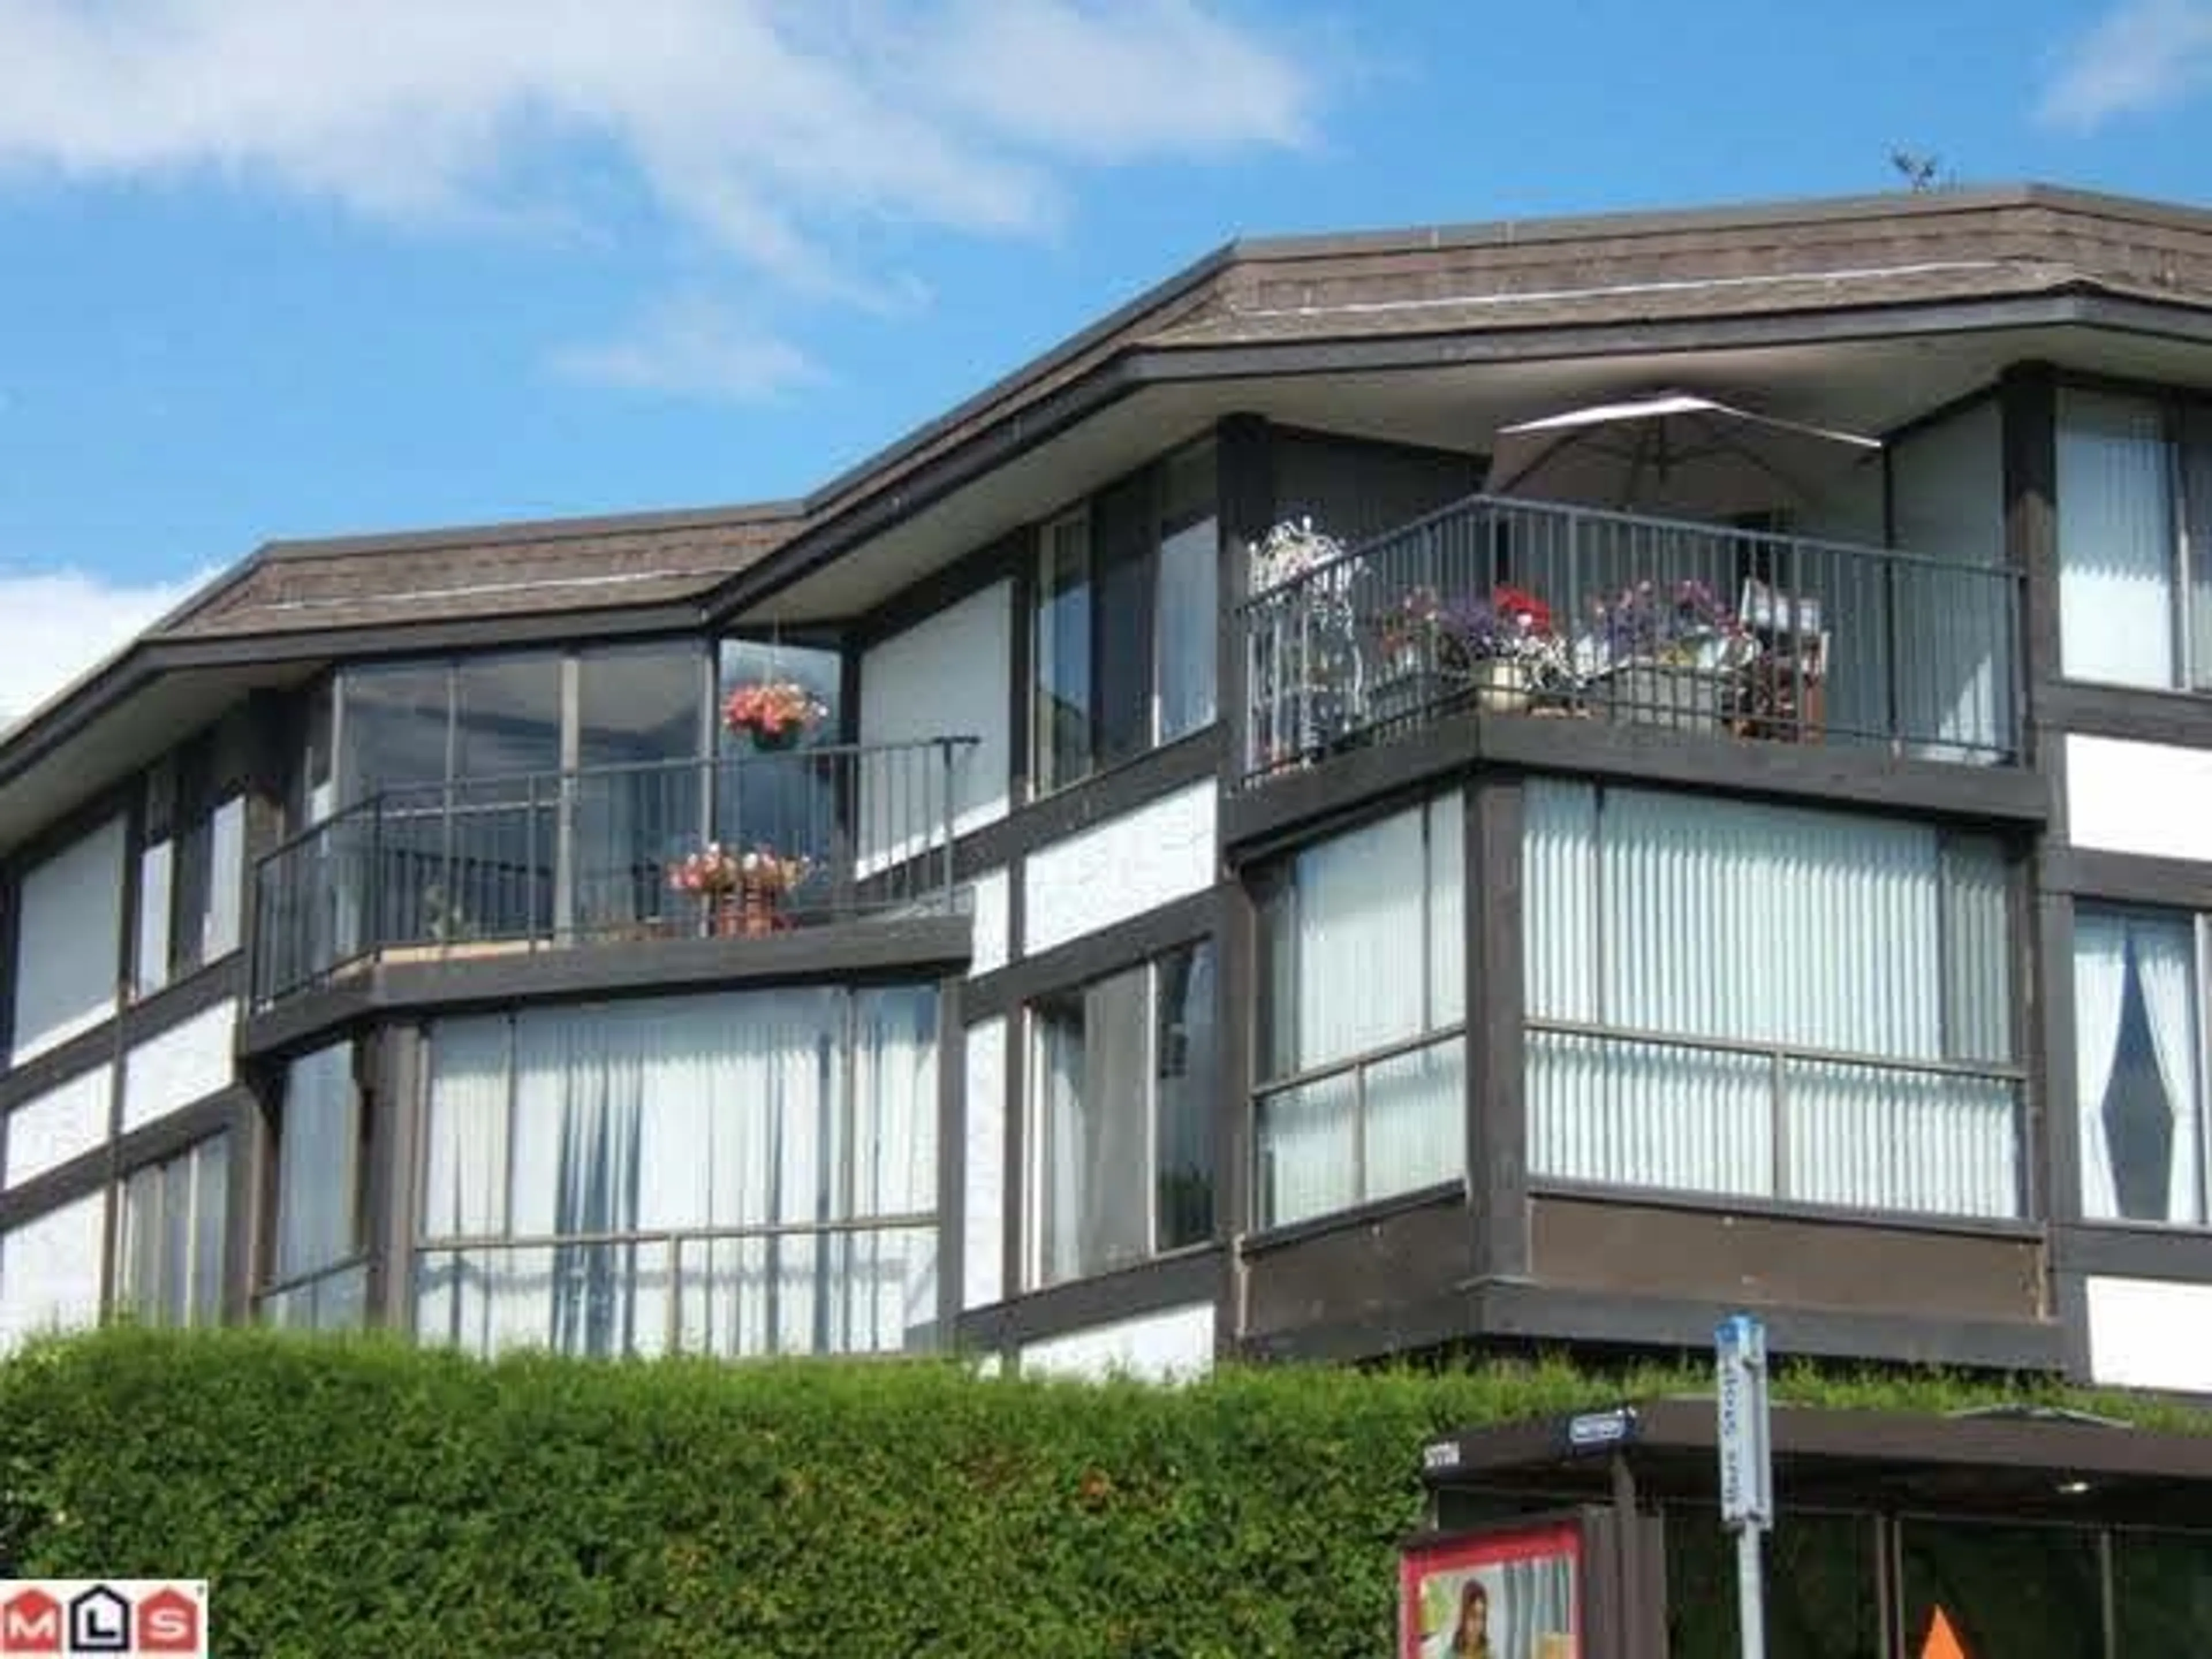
2165, 963
678, 1115
1951, 631
318, 1150
1096, 1054
1350, 929
2100, 986
2116, 541
1689, 918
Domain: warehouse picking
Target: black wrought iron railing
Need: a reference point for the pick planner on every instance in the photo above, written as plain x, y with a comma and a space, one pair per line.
1542, 609
735, 846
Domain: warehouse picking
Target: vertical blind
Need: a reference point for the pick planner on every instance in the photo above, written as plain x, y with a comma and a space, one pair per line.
1831, 947
800, 1115
1366, 951
2116, 541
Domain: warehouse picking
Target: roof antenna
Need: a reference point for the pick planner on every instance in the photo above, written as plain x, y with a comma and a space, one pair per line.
1919, 172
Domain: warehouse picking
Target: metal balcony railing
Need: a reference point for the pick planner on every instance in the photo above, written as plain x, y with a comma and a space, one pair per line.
735, 846
1535, 608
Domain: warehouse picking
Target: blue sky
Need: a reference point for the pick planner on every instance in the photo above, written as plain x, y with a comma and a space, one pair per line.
297, 267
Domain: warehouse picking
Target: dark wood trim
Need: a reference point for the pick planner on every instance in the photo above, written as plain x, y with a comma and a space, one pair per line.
1094, 955
113, 1160
11, 904
1104, 796
396, 1107
1182, 1279
862, 952
951, 1154
1543, 1313
1282, 810
1724, 1204
2070, 1306
1021, 689
2136, 713
2141, 1250
1497, 1114
2127, 879
2130, 386
120, 798
1236, 1005
2053, 1070
1013, 1178
2027, 406
1260, 1243
250, 1167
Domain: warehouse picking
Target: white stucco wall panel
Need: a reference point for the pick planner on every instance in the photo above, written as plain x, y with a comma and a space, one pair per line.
1112, 871
947, 676
2151, 1334
187, 1062
67, 1120
69, 942
983, 1168
2152, 799
50, 1271
1172, 1347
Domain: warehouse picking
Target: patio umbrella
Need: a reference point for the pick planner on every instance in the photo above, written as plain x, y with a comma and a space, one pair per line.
1673, 451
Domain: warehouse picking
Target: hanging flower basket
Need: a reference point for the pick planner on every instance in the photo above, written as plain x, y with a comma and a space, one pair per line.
776, 714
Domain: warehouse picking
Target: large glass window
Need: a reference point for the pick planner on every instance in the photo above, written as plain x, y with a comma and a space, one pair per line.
191, 870
170, 1257
1363, 1005
1731, 997
2134, 540
729, 1175
1122, 1076
50, 1269
315, 1277
1124, 633
68, 921
2137, 1024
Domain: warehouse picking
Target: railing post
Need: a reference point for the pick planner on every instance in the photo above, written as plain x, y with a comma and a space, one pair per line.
945, 748
372, 919
530, 860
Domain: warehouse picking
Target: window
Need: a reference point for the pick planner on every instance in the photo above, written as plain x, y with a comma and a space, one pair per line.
169, 1269
317, 1278
731, 1174
1122, 1081
1124, 633
2003, 1589
2137, 1036
68, 925
2134, 541
191, 870
1362, 1055
1723, 997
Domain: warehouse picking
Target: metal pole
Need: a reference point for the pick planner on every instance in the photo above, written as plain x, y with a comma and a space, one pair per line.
1750, 1592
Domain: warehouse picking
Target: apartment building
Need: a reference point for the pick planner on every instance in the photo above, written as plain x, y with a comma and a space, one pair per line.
1228, 843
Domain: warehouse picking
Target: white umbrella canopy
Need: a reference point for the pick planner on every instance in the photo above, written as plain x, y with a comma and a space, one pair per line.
1673, 451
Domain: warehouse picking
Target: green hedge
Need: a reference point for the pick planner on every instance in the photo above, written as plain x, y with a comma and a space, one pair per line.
365, 1498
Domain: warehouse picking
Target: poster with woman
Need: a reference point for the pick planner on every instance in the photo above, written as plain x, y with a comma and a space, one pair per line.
1500, 1595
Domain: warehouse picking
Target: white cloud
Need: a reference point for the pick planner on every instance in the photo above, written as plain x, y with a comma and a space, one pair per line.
57, 626
765, 126
2140, 55
692, 347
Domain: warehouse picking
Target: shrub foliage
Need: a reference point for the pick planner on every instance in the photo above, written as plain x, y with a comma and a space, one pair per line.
364, 1496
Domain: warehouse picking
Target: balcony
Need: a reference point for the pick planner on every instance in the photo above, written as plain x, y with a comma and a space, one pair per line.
737, 849
1546, 611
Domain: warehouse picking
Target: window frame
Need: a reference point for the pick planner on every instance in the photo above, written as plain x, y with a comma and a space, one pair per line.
2184, 423
194, 1162
356, 1258
1045, 774
1036, 1178
2199, 924
1440, 816
189, 874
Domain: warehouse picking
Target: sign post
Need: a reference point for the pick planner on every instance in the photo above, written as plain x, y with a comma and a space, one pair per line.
1746, 1464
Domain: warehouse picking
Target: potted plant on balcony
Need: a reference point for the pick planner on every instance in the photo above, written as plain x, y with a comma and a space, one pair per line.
1665, 654
1505, 647
742, 893
775, 714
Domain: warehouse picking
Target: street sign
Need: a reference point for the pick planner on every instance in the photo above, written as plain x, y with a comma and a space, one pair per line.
1746, 1463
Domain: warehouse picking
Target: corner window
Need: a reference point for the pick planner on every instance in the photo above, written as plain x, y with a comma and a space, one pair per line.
317, 1278
1121, 1091
2138, 1089
1730, 998
1124, 633
192, 871
729, 1175
2134, 541
1362, 1052
170, 1256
